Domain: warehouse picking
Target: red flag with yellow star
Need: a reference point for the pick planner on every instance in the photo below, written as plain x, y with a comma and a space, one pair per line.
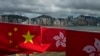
21, 38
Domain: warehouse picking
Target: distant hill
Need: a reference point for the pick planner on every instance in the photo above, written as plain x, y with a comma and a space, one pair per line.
15, 16
43, 16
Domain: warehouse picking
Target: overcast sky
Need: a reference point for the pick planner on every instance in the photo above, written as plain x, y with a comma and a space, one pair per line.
56, 8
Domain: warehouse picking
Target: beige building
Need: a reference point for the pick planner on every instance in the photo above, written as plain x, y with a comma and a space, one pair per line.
0, 19
14, 19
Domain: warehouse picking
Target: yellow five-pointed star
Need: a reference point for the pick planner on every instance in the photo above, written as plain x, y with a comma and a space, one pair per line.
10, 34
15, 29
11, 41
28, 37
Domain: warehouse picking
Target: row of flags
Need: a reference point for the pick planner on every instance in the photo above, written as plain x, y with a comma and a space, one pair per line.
19, 38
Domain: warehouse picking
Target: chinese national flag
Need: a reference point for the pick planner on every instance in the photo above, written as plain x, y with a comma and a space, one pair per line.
19, 38
81, 43
5, 45
56, 37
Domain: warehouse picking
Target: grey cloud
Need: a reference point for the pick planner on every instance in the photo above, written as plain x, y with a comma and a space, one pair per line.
58, 8
80, 4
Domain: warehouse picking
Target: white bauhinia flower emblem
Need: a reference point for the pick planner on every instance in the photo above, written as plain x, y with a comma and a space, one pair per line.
93, 50
60, 40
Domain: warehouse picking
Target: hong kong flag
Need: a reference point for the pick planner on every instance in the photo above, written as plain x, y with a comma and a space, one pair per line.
56, 37
81, 43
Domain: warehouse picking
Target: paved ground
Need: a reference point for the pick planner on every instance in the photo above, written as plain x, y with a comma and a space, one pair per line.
45, 54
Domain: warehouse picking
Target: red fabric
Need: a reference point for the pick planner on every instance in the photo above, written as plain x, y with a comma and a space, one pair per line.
56, 37
34, 47
18, 39
5, 46
80, 43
